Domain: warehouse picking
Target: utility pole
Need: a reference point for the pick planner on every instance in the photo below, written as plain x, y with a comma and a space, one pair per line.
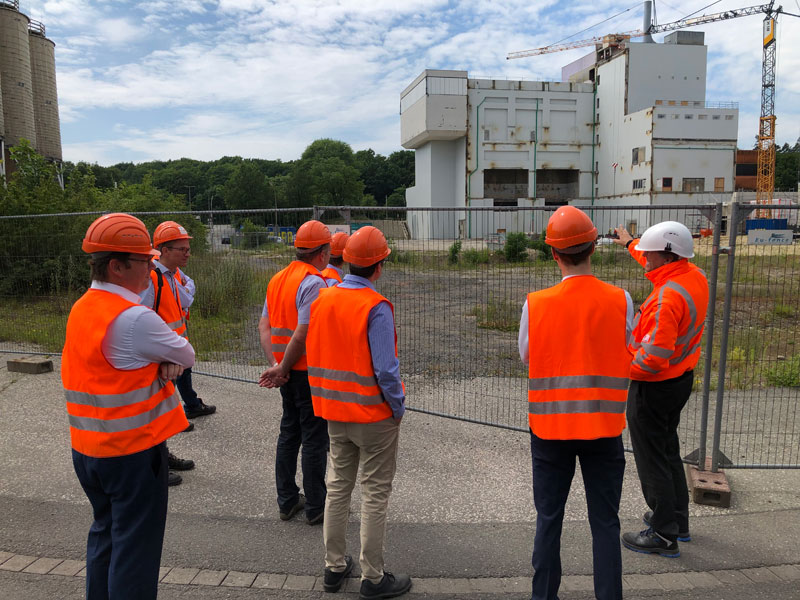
189, 187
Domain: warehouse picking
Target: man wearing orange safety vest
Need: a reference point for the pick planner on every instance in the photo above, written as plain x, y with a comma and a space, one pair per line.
666, 346
355, 385
117, 365
333, 273
574, 338
283, 328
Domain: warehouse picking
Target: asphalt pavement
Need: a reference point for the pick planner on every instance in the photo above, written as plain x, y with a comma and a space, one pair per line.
460, 521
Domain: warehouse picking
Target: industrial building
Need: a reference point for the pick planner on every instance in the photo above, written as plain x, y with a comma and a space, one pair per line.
629, 124
28, 95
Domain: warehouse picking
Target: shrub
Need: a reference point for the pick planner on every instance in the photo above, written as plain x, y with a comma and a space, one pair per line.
785, 373
452, 253
516, 247
502, 315
476, 257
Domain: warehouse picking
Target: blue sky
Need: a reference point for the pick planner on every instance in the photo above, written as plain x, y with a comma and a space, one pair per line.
165, 79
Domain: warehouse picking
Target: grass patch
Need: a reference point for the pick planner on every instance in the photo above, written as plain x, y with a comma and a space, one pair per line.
502, 315
783, 311
474, 257
785, 373
42, 322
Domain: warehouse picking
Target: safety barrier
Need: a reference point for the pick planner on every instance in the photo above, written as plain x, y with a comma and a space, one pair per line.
458, 279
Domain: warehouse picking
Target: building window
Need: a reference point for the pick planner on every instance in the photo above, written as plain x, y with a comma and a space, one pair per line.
674, 117
688, 116
729, 117
694, 184
666, 184
638, 155
638, 184
661, 115
702, 117
719, 184
715, 117
486, 135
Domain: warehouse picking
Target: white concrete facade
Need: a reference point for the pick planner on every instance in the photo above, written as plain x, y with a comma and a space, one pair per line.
640, 133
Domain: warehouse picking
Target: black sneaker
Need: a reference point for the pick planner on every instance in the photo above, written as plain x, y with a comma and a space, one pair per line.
173, 479
201, 410
301, 502
333, 580
650, 542
179, 464
389, 587
683, 536
189, 428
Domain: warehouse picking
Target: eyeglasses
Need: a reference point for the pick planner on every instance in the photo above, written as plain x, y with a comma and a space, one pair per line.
183, 249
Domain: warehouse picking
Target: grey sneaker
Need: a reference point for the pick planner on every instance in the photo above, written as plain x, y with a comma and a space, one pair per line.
389, 587
301, 502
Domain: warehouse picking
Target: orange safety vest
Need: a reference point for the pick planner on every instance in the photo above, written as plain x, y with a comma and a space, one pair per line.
579, 367
282, 305
340, 372
169, 306
668, 328
331, 273
112, 412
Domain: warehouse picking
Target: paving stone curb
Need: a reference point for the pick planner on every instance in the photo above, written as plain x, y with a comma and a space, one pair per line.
689, 580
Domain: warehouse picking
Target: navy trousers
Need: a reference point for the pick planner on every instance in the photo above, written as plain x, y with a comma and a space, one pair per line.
654, 413
184, 385
299, 427
602, 466
129, 499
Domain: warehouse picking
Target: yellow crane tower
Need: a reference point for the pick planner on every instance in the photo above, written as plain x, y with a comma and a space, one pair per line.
765, 180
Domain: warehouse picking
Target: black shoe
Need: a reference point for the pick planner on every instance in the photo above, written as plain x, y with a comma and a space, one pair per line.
180, 464
650, 542
389, 587
301, 502
333, 580
683, 536
173, 479
201, 410
189, 428
316, 520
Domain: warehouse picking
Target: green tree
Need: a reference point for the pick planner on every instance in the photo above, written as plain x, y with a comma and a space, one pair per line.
326, 175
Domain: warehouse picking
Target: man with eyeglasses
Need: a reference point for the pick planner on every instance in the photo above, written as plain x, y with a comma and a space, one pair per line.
171, 293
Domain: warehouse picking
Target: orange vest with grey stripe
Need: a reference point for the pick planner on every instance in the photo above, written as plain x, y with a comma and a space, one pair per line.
282, 305
340, 372
169, 306
668, 328
331, 273
112, 412
579, 362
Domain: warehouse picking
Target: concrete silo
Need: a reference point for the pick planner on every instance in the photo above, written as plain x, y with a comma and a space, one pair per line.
45, 94
15, 75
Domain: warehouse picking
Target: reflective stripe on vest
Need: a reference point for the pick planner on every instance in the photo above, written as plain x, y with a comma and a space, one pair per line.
112, 412
576, 391
340, 373
282, 305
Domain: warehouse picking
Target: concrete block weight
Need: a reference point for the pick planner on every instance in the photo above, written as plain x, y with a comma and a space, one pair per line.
30, 365
705, 487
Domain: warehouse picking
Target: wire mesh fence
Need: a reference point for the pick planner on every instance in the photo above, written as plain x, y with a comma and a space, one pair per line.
458, 280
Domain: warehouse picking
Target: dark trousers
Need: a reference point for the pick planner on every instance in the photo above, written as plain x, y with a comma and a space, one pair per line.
184, 385
602, 466
299, 427
129, 499
654, 412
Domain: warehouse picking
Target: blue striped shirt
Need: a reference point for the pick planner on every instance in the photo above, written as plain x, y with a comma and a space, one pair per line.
380, 334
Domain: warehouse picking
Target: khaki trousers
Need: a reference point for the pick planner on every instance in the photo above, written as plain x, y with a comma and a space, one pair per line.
374, 447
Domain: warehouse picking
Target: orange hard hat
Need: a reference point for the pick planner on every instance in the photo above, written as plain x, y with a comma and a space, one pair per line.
569, 226
338, 242
169, 231
118, 232
366, 247
312, 234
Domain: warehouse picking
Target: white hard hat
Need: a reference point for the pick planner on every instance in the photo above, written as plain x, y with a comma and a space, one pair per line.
669, 236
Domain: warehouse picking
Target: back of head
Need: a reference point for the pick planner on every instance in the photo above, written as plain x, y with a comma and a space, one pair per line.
169, 231
570, 231
310, 238
668, 236
366, 247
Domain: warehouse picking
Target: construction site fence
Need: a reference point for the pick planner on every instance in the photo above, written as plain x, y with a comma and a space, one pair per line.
458, 279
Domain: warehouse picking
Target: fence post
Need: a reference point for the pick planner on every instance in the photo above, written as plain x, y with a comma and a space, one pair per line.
710, 314
733, 227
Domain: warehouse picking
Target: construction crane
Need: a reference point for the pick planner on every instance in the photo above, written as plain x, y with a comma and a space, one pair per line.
765, 180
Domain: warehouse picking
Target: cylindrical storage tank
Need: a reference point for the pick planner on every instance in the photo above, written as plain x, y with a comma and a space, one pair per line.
45, 95
15, 76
